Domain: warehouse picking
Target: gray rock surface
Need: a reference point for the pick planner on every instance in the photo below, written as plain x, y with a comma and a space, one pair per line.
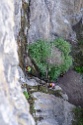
56, 57
27, 80
51, 110
17, 16
52, 18
14, 109
72, 84
58, 88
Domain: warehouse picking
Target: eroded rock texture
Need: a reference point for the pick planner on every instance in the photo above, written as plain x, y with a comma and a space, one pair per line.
42, 19
51, 110
14, 109
52, 18
17, 19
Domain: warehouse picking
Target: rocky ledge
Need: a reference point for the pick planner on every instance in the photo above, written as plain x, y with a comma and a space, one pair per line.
49, 106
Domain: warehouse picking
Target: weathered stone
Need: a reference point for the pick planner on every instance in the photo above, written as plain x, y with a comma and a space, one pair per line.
45, 20
51, 110
50, 19
56, 57
64, 96
14, 109
17, 16
58, 88
26, 80
32, 82
42, 82
72, 84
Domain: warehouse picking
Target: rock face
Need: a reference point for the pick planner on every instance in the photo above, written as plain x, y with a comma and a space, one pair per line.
72, 84
17, 13
14, 109
50, 19
56, 57
51, 110
43, 19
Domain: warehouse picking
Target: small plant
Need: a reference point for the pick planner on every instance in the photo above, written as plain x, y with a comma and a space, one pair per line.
78, 116
26, 94
41, 50
79, 69
65, 48
63, 45
54, 72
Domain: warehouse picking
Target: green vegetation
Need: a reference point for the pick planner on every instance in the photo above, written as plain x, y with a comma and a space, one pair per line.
65, 48
31, 102
63, 45
26, 94
78, 116
41, 50
29, 97
79, 69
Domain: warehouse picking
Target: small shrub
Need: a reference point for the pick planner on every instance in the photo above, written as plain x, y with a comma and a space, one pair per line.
26, 94
41, 50
67, 63
79, 69
78, 116
63, 45
54, 73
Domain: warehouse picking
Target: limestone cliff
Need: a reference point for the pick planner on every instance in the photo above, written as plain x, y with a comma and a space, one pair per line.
14, 109
33, 19
50, 19
44, 19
